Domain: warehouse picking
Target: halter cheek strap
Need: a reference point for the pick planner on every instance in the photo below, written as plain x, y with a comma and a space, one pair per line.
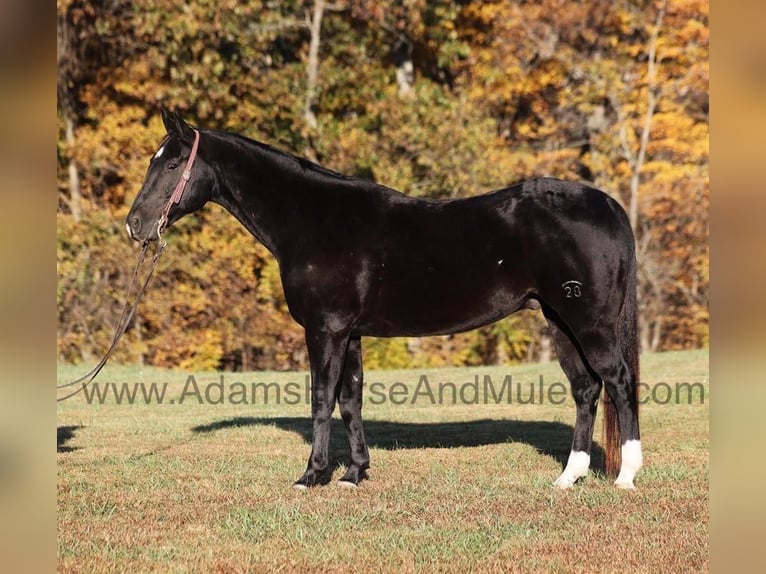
179, 190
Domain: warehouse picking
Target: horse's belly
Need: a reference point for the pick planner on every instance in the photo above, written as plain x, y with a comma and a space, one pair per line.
448, 305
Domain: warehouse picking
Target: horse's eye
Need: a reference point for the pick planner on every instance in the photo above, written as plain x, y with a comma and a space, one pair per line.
172, 165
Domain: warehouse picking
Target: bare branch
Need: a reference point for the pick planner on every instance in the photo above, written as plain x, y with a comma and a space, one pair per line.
278, 26
627, 153
651, 107
636, 160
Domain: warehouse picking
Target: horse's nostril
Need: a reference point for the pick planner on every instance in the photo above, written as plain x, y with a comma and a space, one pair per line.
133, 225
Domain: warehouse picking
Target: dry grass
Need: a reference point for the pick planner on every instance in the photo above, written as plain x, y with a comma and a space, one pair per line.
453, 488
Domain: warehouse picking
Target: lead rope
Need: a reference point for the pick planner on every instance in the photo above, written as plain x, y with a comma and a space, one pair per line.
128, 311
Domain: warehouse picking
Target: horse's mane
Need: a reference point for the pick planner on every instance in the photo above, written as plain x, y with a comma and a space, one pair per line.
285, 158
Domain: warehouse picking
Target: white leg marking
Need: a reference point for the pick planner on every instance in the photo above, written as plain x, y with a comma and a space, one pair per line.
577, 467
632, 460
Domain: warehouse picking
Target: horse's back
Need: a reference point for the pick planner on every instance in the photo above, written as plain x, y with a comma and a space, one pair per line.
483, 257
423, 267
552, 214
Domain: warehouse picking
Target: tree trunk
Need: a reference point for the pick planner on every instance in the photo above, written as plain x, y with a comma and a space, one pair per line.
245, 358
645, 329
639, 159
405, 69
312, 71
545, 354
656, 334
75, 195
651, 79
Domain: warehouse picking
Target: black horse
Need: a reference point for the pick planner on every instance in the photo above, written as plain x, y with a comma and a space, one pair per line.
357, 258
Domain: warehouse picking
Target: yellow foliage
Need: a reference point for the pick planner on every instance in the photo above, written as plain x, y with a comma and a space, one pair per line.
503, 91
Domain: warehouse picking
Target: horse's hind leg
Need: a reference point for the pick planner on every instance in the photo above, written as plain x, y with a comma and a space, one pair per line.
606, 359
585, 390
350, 401
620, 380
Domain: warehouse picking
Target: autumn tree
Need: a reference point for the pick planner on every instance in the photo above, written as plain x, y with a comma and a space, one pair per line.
439, 99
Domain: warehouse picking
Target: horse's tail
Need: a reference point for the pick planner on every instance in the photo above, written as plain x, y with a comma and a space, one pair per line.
629, 347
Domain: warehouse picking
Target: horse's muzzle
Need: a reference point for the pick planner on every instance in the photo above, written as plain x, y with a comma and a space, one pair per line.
134, 226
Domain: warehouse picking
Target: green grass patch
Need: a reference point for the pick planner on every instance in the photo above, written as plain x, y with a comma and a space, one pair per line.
455, 486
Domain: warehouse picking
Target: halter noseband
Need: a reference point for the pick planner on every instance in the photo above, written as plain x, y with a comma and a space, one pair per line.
179, 190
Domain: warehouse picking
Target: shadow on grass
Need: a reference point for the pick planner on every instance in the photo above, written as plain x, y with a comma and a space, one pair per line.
63, 436
552, 439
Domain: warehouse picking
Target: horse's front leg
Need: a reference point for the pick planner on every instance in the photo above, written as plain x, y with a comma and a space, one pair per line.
327, 354
350, 401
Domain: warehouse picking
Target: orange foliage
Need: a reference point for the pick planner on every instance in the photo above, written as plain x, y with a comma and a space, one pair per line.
503, 91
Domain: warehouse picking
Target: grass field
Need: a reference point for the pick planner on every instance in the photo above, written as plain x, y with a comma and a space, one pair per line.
454, 487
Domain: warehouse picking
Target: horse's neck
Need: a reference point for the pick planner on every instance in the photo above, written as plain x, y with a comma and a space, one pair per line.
259, 188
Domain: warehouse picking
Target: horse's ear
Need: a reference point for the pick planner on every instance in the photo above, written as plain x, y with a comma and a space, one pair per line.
168, 120
174, 124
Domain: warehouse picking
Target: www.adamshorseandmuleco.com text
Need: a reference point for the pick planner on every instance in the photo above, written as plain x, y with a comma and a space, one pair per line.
420, 390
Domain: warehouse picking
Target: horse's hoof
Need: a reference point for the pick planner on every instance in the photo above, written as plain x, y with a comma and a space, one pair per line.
625, 485
347, 484
563, 483
299, 486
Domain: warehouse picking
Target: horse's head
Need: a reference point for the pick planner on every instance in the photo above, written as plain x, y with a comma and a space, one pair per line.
177, 182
